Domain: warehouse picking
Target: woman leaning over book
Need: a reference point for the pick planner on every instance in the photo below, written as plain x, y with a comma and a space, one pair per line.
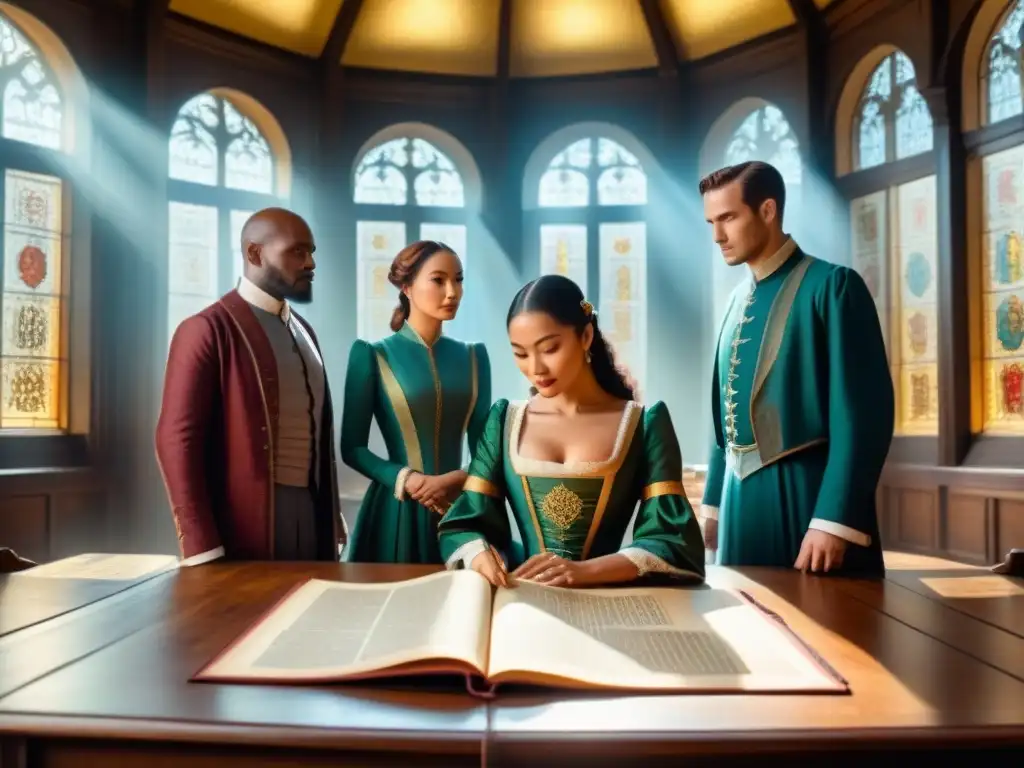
427, 392
573, 462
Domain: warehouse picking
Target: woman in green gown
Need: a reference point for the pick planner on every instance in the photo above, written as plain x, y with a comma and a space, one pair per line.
427, 392
573, 463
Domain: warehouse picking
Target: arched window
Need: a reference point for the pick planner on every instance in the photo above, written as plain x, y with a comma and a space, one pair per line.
222, 169
1002, 263
405, 188
35, 278
894, 232
591, 206
893, 121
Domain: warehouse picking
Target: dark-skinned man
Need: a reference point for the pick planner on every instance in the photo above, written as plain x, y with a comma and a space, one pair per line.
245, 434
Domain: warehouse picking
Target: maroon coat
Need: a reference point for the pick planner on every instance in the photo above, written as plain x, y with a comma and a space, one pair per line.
214, 438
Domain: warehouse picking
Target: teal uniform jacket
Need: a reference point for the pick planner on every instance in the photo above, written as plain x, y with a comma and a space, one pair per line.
578, 511
425, 399
803, 409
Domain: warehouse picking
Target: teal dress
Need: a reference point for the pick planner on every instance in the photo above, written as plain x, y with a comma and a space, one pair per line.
803, 408
426, 400
578, 511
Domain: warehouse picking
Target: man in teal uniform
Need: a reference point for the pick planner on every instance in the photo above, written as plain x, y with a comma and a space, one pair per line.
802, 398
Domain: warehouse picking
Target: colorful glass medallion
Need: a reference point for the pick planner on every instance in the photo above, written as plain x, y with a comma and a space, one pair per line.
1011, 378
918, 274
1010, 323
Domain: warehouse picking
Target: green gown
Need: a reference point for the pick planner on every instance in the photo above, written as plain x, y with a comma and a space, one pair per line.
803, 408
578, 511
425, 400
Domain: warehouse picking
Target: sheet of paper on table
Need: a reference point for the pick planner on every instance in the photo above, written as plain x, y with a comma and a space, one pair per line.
974, 586
103, 567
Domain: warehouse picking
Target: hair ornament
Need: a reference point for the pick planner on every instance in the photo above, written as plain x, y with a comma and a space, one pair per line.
588, 308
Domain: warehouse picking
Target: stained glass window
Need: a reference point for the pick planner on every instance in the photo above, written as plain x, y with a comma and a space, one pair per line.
604, 253
1002, 282
32, 107
1003, 78
33, 285
222, 170
893, 120
31, 356
434, 211
895, 249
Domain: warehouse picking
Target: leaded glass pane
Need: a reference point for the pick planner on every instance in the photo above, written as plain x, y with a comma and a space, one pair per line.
193, 145
1004, 64
623, 181
765, 135
248, 164
32, 108
438, 183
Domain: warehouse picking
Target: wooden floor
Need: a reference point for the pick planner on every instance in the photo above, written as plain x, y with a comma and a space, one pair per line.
94, 672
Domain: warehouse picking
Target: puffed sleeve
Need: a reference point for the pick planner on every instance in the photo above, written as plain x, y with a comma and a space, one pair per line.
666, 536
478, 419
478, 517
360, 393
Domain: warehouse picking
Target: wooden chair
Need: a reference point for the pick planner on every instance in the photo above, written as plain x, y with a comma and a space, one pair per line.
11, 562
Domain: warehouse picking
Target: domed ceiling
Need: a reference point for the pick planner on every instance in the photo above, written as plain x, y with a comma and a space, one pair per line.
461, 37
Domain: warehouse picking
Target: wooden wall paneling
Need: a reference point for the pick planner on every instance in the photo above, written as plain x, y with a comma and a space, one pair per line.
25, 526
13, 752
965, 527
78, 523
1009, 526
917, 520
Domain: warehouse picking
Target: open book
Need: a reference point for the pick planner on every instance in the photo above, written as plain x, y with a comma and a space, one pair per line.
629, 639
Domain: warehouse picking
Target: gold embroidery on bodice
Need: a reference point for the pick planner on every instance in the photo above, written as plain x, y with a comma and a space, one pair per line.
562, 507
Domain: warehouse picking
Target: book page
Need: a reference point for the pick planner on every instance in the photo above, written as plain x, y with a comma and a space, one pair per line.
646, 639
974, 586
103, 567
328, 630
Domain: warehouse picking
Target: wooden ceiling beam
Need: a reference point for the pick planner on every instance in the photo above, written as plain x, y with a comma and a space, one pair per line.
668, 56
341, 31
807, 13
504, 58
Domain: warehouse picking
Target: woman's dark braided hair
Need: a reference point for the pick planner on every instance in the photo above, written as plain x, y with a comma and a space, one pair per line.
560, 298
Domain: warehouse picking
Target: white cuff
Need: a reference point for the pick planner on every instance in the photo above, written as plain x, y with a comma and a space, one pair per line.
465, 554
646, 563
203, 557
403, 475
842, 531
708, 513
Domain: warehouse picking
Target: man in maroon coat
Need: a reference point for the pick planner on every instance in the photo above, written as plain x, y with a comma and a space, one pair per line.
245, 439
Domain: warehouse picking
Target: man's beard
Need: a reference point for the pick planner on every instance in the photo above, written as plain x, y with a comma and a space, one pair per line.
278, 286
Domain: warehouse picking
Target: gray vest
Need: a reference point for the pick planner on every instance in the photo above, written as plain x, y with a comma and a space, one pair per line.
300, 378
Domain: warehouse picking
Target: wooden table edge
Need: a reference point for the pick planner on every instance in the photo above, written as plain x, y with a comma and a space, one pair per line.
48, 727
713, 742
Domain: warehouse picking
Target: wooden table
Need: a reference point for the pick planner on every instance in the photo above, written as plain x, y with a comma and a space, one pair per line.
127, 700
28, 598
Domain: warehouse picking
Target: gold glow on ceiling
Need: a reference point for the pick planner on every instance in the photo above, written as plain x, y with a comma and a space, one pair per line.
569, 37
703, 27
296, 25
822, 3
458, 37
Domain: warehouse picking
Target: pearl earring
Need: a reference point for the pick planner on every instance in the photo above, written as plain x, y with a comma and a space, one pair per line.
588, 357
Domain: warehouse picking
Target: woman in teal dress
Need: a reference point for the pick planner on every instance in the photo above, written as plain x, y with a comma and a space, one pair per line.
573, 463
427, 392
